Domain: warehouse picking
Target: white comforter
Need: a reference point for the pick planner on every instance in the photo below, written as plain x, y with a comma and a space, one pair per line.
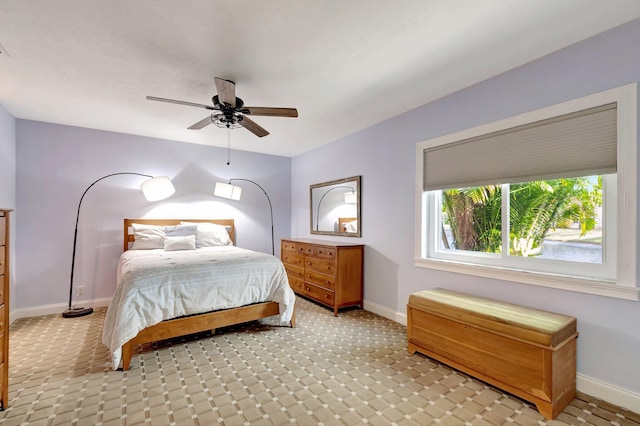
156, 285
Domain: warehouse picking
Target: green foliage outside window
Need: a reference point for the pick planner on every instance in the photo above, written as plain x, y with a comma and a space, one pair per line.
535, 208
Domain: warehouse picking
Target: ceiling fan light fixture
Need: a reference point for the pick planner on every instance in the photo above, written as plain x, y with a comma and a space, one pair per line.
231, 110
227, 121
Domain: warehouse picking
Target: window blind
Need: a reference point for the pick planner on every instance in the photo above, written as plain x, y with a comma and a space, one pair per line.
581, 143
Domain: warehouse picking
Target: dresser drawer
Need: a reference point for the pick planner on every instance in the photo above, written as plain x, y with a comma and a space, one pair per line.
324, 251
1, 289
323, 280
293, 258
297, 285
4, 389
319, 293
2, 324
326, 266
294, 271
304, 248
288, 245
2, 259
3, 225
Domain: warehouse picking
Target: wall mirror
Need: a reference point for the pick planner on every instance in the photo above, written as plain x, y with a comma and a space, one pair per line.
335, 207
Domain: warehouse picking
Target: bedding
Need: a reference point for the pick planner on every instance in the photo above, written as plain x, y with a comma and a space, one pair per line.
180, 230
155, 285
180, 243
348, 224
148, 237
351, 226
210, 234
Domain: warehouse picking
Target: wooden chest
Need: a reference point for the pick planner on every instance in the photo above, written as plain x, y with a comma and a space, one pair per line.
527, 352
328, 272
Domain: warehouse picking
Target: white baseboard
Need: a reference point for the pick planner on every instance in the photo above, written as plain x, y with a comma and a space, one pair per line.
607, 392
57, 308
585, 384
383, 311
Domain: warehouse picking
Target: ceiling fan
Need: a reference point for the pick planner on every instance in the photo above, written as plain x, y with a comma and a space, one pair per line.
231, 112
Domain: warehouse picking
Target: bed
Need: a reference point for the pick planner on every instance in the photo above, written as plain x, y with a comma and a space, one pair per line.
173, 291
347, 224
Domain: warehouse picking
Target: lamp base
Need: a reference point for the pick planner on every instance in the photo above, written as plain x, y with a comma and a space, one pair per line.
77, 312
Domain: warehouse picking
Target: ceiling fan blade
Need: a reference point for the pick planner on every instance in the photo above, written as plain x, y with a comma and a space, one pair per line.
200, 124
226, 91
273, 112
253, 127
172, 101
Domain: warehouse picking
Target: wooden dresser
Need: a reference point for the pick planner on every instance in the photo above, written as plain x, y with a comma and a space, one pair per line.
4, 308
328, 272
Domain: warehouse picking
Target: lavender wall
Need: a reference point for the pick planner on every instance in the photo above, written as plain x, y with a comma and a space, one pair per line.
384, 155
56, 163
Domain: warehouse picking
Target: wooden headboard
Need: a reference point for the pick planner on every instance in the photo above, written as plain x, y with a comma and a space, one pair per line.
128, 232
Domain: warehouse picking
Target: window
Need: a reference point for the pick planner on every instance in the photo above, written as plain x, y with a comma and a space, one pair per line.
554, 226
499, 199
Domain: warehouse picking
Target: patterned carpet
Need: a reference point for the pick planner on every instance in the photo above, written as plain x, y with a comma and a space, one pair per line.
349, 370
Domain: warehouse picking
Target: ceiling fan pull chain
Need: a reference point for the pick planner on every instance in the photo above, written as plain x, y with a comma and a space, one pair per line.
228, 146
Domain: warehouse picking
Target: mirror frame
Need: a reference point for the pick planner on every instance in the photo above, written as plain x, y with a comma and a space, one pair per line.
357, 180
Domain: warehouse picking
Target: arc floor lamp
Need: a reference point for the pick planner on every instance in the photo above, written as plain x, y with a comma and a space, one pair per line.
154, 189
233, 192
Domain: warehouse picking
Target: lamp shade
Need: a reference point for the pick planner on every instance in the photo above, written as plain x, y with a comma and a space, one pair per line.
351, 197
157, 188
226, 190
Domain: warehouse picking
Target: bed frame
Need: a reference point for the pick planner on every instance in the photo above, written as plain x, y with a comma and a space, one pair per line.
194, 323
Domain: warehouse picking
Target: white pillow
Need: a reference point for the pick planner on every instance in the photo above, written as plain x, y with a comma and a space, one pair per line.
148, 236
210, 234
180, 243
181, 230
351, 226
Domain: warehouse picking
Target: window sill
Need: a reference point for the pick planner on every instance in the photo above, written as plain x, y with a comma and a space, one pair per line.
581, 285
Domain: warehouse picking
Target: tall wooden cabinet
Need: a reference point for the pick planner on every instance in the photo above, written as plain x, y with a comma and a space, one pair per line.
4, 308
328, 272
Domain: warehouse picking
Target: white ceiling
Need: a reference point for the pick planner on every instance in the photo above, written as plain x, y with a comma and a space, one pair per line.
345, 64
